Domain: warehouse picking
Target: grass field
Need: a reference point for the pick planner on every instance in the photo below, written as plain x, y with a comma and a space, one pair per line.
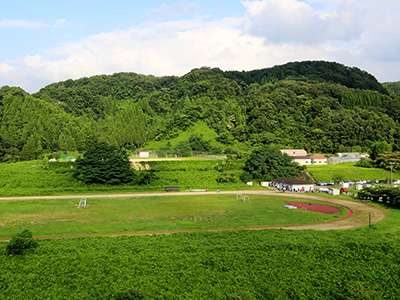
348, 171
268, 264
143, 214
359, 263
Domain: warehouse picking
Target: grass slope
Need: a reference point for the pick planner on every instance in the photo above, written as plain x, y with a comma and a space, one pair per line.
38, 178
348, 171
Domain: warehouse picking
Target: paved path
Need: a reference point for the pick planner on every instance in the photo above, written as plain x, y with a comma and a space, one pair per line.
359, 217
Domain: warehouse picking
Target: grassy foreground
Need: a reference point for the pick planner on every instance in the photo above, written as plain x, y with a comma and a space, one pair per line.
242, 264
144, 214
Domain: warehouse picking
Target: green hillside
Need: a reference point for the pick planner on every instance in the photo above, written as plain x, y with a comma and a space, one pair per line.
393, 87
320, 106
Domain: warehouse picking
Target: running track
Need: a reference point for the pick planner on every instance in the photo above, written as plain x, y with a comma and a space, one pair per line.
358, 213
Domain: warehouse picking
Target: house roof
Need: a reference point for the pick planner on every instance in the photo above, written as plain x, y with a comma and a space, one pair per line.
294, 152
289, 180
318, 157
302, 157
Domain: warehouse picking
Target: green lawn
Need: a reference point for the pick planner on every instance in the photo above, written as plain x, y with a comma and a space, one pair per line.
142, 214
348, 171
360, 264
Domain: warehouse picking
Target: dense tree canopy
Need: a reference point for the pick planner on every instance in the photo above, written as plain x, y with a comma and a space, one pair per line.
319, 106
268, 163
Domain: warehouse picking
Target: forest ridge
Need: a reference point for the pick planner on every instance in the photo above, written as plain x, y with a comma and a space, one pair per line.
319, 106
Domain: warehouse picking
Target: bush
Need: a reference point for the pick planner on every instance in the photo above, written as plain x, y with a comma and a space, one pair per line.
365, 163
21, 243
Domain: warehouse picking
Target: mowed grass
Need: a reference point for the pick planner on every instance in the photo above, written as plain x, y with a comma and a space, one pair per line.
348, 171
146, 214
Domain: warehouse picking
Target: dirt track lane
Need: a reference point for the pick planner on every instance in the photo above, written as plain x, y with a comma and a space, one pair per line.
357, 219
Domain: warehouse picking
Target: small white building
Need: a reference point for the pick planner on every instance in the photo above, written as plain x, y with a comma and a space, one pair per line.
319, 160
334, 191
293, 184
345, 185
303, 160
143, 153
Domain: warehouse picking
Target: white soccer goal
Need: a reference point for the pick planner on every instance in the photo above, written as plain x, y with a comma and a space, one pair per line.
245, 198
82, 203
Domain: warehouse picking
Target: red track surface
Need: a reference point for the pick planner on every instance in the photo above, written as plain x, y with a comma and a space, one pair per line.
322, 208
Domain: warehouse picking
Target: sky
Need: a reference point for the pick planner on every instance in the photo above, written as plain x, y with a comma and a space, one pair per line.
47, 41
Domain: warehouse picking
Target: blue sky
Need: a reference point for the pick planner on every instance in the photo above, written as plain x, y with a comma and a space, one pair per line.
49, 41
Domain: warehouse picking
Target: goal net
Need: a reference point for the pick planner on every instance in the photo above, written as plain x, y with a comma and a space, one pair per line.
245, 198
82, 203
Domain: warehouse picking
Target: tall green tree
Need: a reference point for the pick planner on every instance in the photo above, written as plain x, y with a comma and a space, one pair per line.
379, 148
268, 163
104, 164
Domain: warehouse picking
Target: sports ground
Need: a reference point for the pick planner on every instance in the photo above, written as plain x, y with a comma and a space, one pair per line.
164, 213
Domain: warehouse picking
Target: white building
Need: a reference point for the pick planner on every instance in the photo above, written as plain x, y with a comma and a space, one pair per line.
293, 184
319, 160
143, 153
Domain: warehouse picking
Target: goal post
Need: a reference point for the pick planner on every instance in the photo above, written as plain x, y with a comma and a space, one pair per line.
82, 203
245, 198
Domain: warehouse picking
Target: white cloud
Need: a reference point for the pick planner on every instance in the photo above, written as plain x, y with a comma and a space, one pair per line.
148, 50
346, 32
61, 23
21, 24
293, 21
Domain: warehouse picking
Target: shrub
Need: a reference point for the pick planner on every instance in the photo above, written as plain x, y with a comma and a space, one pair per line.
365, 163
21, 243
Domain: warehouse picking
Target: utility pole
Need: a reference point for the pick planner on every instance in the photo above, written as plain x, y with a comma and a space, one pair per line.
391, 173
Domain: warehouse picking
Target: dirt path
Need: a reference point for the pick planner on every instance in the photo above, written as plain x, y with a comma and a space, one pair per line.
358, 218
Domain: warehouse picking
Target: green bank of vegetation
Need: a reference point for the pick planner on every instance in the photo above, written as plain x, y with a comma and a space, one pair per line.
318, 106
40, 178
261, 264
349, 171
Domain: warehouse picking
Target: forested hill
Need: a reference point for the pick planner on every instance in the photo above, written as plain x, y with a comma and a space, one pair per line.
314, 71
320, 106
393, 87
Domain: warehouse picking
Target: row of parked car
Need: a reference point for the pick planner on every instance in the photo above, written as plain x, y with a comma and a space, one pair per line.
350, 183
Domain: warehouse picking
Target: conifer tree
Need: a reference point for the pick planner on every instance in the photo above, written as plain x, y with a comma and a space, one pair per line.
104, 164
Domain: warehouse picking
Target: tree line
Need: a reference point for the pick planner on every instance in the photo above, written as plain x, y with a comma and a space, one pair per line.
319, 106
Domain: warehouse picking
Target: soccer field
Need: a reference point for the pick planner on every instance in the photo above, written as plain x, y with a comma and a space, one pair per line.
54, 217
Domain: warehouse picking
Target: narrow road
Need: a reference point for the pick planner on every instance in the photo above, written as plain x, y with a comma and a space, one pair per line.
360, 216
